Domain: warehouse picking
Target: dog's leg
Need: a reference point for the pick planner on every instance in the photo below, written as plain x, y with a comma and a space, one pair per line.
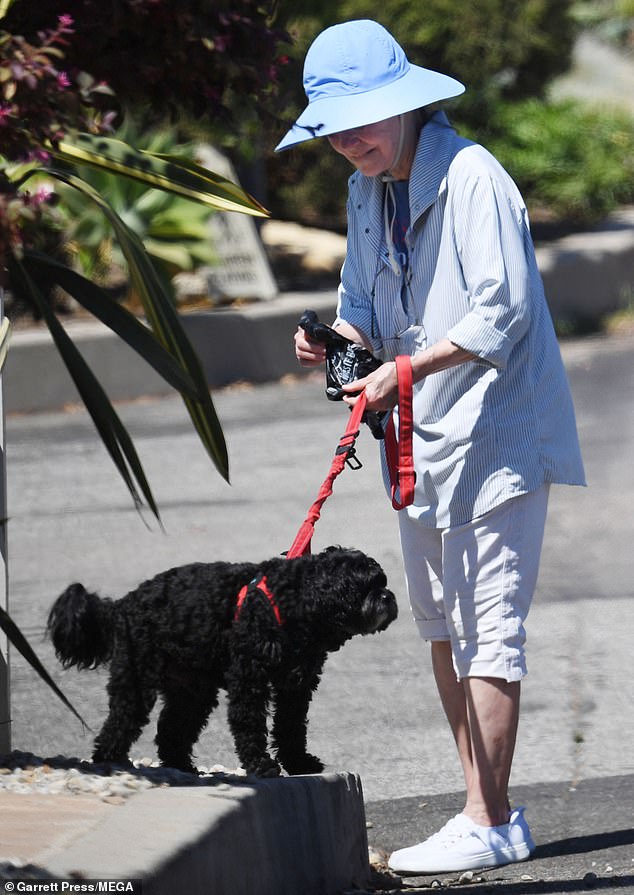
248, 697
289, 727
180, 723
129, 712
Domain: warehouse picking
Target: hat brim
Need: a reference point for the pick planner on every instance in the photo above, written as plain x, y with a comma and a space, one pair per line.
329, 115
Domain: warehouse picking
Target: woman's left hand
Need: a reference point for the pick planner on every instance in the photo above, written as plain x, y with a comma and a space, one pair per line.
380, 386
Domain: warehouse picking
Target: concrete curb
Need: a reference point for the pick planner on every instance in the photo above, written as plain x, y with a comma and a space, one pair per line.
586, 276
281, 836
252, 343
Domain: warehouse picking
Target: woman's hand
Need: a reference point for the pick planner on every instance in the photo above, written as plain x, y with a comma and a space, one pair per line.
380, 386
307, 352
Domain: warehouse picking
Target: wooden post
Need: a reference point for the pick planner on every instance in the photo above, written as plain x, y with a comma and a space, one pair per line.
5, 701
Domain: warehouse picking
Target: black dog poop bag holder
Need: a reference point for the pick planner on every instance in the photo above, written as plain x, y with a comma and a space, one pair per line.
346, 361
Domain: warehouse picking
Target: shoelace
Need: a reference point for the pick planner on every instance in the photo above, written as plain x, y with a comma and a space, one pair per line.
456, 828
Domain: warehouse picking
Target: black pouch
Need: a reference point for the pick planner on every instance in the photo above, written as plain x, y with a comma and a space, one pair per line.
346, 361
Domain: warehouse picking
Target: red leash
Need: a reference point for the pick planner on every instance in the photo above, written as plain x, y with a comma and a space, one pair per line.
399, 456
345, 453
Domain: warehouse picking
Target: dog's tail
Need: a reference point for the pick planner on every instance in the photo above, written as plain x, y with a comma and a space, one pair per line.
81, 627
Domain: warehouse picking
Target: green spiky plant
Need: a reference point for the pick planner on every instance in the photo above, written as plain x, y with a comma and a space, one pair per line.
174, 230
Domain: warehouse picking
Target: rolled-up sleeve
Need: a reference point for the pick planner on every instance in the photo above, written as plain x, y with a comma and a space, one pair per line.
489, 235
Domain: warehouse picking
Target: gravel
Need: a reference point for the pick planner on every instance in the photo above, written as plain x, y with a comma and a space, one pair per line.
25, 773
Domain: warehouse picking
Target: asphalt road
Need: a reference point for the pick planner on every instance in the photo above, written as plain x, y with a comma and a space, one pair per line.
376, 711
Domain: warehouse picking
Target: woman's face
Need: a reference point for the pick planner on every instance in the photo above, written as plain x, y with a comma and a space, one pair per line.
372, 148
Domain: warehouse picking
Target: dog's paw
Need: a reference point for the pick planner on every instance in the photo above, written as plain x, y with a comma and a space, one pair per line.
265, 767
182, 766
105, 760
303, 764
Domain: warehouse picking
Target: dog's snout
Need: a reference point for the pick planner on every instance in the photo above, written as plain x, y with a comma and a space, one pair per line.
379, 610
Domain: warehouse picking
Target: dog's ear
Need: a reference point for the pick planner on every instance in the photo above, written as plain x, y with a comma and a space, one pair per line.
344, 554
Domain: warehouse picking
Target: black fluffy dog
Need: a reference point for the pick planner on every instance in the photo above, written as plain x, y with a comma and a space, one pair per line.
262, 632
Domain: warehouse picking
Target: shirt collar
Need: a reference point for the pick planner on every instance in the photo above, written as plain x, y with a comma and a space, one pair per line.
436, 148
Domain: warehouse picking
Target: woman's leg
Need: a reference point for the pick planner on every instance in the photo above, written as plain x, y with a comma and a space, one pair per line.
470, 599
493, 711
483, 715
452, 697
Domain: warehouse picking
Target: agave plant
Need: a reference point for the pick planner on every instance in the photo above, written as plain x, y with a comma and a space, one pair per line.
163, 342
174, 230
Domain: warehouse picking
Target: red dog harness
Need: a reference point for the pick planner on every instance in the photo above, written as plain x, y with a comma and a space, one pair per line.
263, 587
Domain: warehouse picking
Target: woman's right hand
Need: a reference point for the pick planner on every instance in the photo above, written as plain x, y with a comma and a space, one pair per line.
307, 352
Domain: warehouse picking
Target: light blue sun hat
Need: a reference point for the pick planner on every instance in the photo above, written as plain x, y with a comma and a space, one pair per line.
355, 73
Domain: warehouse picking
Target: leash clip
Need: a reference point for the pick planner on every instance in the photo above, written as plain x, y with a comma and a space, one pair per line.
352, 460
351, 455
346, 446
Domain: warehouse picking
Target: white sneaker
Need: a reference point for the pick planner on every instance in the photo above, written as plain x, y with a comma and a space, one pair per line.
465, 845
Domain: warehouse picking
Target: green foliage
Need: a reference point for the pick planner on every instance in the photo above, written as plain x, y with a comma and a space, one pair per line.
612, 20
174, 230
574, 160
309, 184
160, 56
510, 48
38, 100
170, 351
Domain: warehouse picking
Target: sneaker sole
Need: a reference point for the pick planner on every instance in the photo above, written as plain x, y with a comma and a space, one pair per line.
485, 861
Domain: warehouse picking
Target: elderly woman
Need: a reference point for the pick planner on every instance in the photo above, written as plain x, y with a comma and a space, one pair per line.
440, 267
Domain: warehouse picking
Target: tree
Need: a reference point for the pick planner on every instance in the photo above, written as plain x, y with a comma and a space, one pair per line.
179, 56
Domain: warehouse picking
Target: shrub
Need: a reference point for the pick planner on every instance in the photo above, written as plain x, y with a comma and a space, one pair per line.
611, 20
574, 160
174, 230
159, 56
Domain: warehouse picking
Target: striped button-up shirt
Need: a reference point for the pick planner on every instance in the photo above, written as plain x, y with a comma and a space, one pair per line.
501, 425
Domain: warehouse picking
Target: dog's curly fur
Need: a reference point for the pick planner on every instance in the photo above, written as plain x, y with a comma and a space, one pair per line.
178, 636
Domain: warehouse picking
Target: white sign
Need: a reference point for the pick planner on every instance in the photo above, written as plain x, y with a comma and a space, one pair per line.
243, 269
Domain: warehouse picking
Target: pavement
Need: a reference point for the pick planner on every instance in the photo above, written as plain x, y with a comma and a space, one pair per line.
390, 778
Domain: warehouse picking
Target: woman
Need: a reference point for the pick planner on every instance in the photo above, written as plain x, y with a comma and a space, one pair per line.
440, 266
